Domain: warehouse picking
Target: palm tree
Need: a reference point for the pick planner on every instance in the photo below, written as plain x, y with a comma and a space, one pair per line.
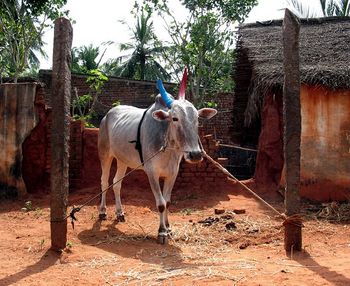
22, 24
86, 58
112, 67
328, 8
20, 38
141, 63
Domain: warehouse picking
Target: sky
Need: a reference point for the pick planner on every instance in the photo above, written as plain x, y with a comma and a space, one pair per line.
97, 22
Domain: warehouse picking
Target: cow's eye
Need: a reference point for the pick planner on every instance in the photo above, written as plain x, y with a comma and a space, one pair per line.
175, 119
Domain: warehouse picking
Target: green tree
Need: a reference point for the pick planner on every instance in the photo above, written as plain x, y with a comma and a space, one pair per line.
112, 67
86, 58
83, 107
326, 8
203, 42
142, 60
22, 24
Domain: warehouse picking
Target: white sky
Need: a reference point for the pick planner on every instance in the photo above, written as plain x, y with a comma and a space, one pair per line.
98, 22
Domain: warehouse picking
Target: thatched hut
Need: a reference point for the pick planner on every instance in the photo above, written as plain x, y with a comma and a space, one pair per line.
325, 104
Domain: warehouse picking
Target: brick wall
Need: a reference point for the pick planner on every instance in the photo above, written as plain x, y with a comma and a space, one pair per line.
139, 94
84, 162
129, 92
221, 126
75, 153
203, 176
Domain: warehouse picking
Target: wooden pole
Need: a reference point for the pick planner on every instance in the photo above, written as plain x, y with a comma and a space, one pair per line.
292, 129
61, 95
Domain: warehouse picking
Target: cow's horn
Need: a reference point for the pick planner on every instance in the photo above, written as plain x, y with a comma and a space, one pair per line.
182, 89
167, 99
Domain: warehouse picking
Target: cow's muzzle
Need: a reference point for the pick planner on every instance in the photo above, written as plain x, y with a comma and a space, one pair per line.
193, 157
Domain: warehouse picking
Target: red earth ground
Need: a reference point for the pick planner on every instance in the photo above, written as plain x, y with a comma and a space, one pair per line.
250, 252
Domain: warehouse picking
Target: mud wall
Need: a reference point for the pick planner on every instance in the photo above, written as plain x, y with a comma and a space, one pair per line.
17, 119
269, 161
36, 148
325, 145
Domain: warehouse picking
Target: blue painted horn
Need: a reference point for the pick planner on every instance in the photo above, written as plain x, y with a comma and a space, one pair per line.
165, 96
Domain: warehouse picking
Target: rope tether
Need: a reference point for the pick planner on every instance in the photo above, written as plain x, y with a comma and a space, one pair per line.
77, 209
295, 219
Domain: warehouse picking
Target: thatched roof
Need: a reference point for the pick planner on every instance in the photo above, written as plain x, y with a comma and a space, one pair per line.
324, 55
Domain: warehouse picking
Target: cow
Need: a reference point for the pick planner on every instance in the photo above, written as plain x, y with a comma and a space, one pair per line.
169, 123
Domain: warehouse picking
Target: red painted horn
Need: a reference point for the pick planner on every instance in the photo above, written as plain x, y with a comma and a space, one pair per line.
182, 89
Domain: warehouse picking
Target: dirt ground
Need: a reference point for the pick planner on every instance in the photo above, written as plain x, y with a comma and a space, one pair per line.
232, 248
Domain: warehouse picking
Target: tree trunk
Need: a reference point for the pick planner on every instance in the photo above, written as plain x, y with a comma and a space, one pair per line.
292, 123
61, 89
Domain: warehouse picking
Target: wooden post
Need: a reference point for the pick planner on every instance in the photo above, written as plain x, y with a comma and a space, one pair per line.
292, 129
61, 95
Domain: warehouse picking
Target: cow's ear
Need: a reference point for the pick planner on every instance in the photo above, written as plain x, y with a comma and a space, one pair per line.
160, 115
207, 113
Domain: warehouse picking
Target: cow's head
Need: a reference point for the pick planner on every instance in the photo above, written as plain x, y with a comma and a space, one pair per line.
183, 122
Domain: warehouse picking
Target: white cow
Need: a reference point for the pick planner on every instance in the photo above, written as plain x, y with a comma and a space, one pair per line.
175, 122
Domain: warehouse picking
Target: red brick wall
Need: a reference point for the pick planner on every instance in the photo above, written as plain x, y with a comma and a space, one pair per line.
84, 162
202, 176
205, 175
221, 126
129, 92
139, 93
75, 153
84, 165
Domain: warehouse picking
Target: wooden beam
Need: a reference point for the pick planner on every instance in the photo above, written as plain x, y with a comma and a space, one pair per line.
61, 95
292, 127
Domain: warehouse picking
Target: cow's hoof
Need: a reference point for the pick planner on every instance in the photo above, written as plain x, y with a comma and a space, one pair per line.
162, 239
120, 218
102, 216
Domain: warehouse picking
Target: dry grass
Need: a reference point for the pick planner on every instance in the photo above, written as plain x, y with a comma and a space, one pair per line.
156, 274
203, 252
335, 211
98, 262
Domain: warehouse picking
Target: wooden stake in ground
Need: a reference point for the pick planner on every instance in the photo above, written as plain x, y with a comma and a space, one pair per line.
292, 129
61, 95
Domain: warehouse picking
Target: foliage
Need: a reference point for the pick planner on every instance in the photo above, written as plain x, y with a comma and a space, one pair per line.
22, 24
338, 8
112, 67
230, 10
211, 104
82, 106
96, 80
87, 58
141, 62
69, 244
28, 206
203, 42
116, 103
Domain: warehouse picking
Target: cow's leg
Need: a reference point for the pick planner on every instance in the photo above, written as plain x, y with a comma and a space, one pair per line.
118, 205
161, 205
168, 187
105, 166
